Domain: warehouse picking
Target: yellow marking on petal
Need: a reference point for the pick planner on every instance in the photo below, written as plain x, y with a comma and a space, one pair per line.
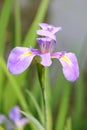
65, 58
26, 54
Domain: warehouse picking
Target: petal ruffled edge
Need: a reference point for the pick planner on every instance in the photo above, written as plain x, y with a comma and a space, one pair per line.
50, 28
46, 34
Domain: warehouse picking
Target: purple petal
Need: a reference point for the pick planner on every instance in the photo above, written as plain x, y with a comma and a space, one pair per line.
19, 60
46, 59
46, 33
14, 114
70, 65
49, 27
24, 121
20, 123
42, 40
45, 44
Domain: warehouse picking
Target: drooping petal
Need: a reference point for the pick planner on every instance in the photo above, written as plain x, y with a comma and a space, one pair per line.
19, 59
46, 34
69, 64
49, 27
46, 59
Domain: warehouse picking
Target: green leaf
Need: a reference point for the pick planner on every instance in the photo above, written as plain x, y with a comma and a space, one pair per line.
9, 98
57, 90
14, 85
4, 19
1, 87
36, 106
79, 103
17, 23
41, 12
34, 120
63, 108
68, 124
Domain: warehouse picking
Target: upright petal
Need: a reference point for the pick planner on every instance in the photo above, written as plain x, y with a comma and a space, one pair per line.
46, 33
69, 64
19, 59
46, 59
49, 27
45, 44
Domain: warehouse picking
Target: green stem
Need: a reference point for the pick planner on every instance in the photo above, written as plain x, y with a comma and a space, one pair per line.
45, 104
41, 75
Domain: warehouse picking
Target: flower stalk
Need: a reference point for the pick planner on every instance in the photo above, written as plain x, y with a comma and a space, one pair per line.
41, 76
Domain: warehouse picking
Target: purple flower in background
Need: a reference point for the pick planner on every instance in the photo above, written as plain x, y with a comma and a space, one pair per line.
15, 117
20, 58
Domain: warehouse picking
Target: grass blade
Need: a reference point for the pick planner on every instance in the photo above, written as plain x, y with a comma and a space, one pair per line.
14, 85
79, 104
4, 19
63, 108
17, 23
36, 106
34, 120
68, 124
31, 35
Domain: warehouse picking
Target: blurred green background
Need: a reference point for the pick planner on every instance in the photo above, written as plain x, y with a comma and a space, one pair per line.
19, 20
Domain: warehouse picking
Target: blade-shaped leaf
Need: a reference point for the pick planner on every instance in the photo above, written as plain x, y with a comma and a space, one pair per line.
34, 120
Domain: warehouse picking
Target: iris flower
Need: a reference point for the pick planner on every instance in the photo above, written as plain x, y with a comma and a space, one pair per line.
20, 58
15, 118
